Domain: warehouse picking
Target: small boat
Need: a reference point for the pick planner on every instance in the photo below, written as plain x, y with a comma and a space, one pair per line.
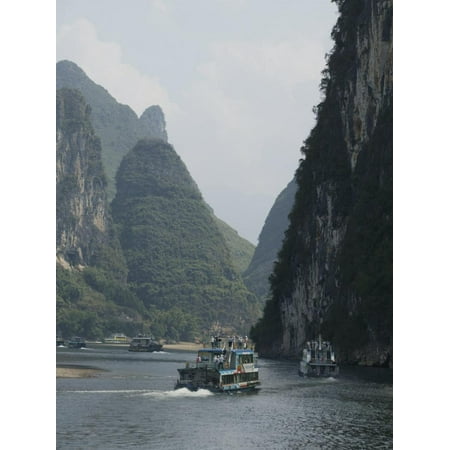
318, 360
118, 338
221, 370
76, 342
142, 343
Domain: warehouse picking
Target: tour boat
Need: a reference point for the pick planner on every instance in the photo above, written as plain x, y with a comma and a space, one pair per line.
142, 343
318, 360
221, 369
76, 342
118, 338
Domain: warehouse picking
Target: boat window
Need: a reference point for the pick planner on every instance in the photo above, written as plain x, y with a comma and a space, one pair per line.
246, 359
206, 356
243, 377
228, 379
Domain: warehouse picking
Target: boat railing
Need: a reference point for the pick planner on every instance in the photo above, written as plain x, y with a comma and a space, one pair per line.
207, 364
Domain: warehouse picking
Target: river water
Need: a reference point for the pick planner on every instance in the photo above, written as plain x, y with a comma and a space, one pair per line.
131, 404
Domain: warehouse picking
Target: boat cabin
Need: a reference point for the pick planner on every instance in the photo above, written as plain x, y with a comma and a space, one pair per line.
221, 370
225, 359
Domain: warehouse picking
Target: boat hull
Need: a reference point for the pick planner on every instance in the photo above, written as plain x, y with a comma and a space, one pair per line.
77, 345
195, 378
150, 348
194, 387
318, 370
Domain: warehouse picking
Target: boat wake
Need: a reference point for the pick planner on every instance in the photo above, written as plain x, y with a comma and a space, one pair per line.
179, 393
109, 391
331, 379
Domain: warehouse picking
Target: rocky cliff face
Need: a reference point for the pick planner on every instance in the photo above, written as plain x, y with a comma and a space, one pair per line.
152, 124
83, 223
334, 274
117, 125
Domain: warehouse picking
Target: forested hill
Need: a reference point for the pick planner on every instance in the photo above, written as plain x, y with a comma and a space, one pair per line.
176, 255
117, 125
256, 277
119, 129
159, 264
334, 271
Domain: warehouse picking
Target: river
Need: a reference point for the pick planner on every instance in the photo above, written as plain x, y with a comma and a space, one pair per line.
131, 404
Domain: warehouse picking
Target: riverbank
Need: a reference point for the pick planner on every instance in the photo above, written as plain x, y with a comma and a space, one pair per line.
75, 371
186, 346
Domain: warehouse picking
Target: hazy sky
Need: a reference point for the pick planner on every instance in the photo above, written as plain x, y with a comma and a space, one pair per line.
237, 80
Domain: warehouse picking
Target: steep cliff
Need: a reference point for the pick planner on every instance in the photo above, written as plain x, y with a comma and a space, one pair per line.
92, 296
334, 272
117, 125
82, 222
256, 277
176, 255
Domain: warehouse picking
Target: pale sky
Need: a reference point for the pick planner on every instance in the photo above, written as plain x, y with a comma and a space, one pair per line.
236, 79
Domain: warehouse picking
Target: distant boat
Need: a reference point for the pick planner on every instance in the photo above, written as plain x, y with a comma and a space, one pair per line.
76, 342
221, 370
142, 343
118, 338
318, 360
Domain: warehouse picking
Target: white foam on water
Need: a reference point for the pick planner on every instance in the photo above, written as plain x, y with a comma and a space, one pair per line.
180, 393
109, 391
330, 380
177, 393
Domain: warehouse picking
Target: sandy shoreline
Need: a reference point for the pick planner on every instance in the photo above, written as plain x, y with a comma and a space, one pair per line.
187, 346
76, 372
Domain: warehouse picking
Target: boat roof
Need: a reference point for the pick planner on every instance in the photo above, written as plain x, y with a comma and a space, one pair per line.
245, 351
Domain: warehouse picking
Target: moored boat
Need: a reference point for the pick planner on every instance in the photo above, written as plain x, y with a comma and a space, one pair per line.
318, 360
76, 342
118, 338
142, 343
221, 370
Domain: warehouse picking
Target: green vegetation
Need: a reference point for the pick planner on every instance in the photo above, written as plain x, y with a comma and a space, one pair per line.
359, 286
95, 301
91, 305
166, 264
256, 277
117, 125
366, 255
176, 255
241, 250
